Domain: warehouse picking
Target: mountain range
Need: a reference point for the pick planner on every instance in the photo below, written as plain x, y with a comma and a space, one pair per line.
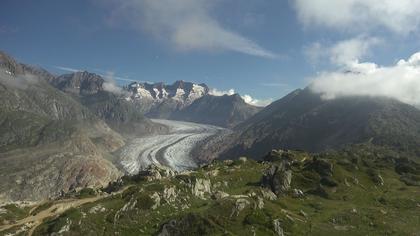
303, 120
73, 119
75, 123
302, 165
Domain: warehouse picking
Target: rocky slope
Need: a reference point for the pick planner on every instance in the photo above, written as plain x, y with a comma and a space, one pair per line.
159, 100
365, 190
114, 108
50, 142
191, 102
224, 111
302, 120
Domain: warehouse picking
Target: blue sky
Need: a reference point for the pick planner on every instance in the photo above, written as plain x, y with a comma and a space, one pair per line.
261, 48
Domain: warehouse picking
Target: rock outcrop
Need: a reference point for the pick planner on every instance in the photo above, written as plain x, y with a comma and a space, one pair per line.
278, 178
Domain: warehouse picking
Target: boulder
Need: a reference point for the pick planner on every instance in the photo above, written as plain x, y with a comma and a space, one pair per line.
268, 194
156, 199
321, 166
169, 194
200, 187
243, 159
277, 227
240, 205
278, 178
220, 195
297, 193
260, 203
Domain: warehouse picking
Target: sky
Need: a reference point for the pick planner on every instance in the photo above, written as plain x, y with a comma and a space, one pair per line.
260, 49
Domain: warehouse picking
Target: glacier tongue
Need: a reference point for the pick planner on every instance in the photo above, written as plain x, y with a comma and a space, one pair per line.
172, 150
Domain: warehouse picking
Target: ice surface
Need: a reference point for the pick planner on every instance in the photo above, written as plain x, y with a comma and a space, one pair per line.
172, 150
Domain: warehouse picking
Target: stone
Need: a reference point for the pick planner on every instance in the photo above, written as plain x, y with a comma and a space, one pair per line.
260, 203
240, 205
268, 194
220, 195
156, 198
277, 227
213, 173
278, 178
297, 193
322, 167
201, 187
96, 209
169, 194
228, 162
243, 159
302, 213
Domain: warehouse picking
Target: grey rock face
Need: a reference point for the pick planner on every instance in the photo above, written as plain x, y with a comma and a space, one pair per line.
278, 178
82, 83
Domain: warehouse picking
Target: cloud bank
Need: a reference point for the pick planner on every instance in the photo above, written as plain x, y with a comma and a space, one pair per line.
400, 81
401, 17
343, 52
186, 24
247, 98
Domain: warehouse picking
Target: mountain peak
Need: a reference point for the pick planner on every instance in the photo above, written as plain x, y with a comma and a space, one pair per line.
10, 64
81, 82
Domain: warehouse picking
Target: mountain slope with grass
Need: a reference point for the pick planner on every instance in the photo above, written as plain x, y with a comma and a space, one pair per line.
303, 120
356, 191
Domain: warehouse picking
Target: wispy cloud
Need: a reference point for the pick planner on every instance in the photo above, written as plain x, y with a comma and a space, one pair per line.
67, 69
4, 29
103, 73
186, 24
270, 84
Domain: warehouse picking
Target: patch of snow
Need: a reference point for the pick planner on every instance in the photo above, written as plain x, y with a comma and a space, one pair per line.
157, 93
179, 95
196, 92
143, 93
164, 93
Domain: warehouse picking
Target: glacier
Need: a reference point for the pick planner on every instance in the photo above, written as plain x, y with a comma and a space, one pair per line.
172, 150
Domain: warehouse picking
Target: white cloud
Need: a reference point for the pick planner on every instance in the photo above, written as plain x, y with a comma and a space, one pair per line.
401, 17
400, 81
186, 24
216, 92
343, 52
256, 102
110, 85
247, 98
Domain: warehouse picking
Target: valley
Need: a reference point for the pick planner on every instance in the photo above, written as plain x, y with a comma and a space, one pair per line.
172, 150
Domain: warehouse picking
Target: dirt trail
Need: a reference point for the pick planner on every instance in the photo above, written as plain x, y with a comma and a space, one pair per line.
55, 210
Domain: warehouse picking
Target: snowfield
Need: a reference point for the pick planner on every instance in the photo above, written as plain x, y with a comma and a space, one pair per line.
172, 150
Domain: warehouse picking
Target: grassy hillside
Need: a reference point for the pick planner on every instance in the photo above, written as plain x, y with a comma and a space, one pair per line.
364, 190
303, 120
